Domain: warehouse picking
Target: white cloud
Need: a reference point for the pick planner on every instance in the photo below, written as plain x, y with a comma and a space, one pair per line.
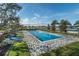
31, 21
75, 11
36, 14
34, 17
24, 21
61, 14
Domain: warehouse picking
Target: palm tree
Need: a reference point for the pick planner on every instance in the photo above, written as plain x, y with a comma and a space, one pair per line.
53, 25
64, 24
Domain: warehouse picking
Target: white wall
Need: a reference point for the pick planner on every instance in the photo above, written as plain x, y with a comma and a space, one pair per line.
72, 31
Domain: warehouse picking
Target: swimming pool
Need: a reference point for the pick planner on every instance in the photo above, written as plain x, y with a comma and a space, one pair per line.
44, 36
13, 37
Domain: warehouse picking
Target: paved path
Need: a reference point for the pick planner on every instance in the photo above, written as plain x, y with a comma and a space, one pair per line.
37, 47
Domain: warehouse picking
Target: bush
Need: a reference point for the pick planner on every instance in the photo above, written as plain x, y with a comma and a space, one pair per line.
18, 49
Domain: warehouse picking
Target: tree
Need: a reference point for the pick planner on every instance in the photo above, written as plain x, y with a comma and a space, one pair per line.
53, 25
64, 25
8, 13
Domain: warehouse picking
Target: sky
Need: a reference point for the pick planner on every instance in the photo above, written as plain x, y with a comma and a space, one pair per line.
45, 13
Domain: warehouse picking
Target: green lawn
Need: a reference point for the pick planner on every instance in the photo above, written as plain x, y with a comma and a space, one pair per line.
68, 50
18, 49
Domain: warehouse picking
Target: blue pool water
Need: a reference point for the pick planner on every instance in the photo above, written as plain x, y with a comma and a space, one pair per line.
44, 36
11, 37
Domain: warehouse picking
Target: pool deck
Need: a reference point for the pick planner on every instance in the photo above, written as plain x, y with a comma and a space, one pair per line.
36, 47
